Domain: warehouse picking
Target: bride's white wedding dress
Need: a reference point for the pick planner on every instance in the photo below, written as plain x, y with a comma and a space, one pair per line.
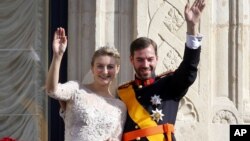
88, 116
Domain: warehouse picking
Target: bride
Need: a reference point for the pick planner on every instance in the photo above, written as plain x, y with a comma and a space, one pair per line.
92, 112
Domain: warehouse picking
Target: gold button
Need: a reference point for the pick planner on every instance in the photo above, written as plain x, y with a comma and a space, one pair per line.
138, 138
136, 127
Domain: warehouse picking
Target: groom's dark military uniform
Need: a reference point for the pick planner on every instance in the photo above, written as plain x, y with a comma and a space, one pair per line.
153, 104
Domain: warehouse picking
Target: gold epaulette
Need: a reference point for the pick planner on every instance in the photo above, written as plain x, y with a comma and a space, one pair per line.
164, 74
125, 85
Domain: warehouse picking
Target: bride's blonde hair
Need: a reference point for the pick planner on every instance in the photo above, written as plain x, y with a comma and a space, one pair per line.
106, 51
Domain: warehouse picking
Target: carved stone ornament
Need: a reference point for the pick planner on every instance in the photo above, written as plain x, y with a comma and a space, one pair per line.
187, 111
174, 20
224, 117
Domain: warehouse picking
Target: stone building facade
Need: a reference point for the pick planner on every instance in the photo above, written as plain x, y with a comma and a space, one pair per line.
219, 97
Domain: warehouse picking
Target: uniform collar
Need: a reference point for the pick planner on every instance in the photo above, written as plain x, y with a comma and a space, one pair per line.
143, 83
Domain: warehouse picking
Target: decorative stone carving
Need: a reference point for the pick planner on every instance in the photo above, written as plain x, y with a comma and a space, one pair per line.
187, 111
173, 20
171, 60
225, 112
224, 117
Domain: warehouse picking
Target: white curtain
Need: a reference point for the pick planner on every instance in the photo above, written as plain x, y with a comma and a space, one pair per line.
23, 63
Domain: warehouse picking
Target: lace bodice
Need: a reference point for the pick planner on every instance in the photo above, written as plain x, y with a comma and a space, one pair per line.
88, 116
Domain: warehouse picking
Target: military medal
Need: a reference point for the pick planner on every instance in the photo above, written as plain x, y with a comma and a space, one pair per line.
155, 99
157, 115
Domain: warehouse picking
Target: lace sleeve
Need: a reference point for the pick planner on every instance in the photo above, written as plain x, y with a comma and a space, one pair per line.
64, 92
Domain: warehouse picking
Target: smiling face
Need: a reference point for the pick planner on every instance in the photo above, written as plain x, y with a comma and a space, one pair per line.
144, 62
143, 57
104, 69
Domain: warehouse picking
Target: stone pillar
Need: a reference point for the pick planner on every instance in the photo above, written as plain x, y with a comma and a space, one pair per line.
242, 67
81, 36
231, 66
